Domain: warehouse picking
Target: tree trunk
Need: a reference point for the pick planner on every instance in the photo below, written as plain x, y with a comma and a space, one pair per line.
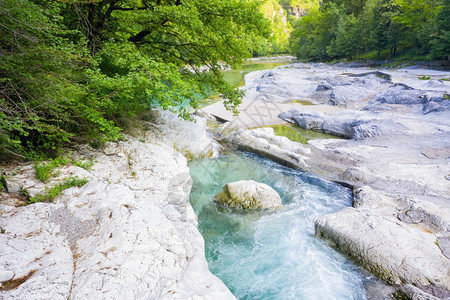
91, 29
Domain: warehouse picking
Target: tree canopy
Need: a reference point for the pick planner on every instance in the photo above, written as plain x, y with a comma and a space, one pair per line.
412, 29
80, 69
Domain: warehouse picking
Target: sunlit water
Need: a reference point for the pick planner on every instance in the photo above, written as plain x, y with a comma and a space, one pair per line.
236, 77
273, 254
298, 134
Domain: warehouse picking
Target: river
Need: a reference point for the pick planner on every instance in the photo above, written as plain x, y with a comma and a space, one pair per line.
273, 254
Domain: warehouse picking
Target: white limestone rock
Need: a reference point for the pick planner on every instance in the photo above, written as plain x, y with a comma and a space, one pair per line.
264, 142
365, 196
130, 233
249, 194
34, 251
396, 252
188, 137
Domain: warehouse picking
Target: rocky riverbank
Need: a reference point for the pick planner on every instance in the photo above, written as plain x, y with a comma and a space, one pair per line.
396, 157
129, 233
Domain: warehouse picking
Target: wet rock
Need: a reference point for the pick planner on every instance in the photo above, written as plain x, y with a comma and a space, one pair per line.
339, 127
265, 143
249, 194
348, 125
379, 290
382, 75
307, 120
414, 293
365, 196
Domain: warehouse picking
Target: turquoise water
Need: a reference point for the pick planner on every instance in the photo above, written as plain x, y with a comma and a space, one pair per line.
272, 254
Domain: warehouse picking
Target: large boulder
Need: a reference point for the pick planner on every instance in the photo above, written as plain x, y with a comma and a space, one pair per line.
249, 194
396, 252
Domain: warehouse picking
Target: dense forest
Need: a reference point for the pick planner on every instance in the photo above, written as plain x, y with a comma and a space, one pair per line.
401, 29
82, 70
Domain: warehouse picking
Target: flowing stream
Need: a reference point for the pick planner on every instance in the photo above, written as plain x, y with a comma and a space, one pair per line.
273, 254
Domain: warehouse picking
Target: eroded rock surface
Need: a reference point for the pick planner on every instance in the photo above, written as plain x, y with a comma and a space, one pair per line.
395, 157
130, 233
249, 194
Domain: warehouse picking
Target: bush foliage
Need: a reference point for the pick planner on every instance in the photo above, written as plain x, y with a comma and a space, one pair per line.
77, 70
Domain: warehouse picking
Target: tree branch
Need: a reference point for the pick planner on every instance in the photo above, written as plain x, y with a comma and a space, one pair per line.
129, 8
139, 36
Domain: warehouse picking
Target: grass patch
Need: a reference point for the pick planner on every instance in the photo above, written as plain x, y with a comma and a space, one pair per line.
87, 164
46, 170
424, 77
445, 79
51, 193
2, 182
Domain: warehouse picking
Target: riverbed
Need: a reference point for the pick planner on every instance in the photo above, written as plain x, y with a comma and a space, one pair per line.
273, 254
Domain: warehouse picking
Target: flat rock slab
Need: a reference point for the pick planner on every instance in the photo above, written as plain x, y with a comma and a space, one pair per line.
437, 153
254, 113
394, 251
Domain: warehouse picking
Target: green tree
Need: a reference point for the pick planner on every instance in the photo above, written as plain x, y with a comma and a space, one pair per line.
344, 44
315, 32
385, 31
80, 69
355, 7
440, 36
183, 35
41, 74
380, 28
413, 18
281, 28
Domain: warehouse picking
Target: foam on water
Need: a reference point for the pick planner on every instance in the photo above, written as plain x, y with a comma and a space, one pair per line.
273, 255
